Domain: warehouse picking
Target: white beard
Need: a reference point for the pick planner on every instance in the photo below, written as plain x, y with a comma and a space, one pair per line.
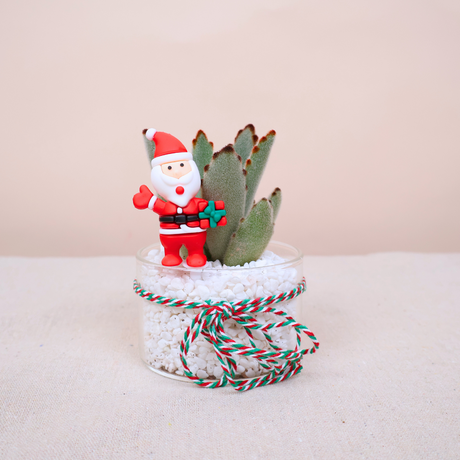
166, 185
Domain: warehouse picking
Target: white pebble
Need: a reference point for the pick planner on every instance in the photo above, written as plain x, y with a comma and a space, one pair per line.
174, 321
165, 315
260, 292
202, 374
166, 336
188, 288
164, 281
176, 284
240, 295
201, 363
180, 294
203, 292
193, 368
225, 293
187, 321
218, 372
162, 344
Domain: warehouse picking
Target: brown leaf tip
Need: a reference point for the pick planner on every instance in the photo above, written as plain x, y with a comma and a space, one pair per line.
227, 149
255, 138
144, 131
277, 190
206, 168
272, 133
198, 134
249, 127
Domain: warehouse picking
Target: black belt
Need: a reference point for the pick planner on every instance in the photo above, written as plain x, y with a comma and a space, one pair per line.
179, 219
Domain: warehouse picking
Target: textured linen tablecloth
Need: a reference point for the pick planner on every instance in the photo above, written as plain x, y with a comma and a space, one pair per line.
384, 383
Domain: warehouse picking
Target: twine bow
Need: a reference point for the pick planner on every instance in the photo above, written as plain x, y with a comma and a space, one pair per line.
280, 364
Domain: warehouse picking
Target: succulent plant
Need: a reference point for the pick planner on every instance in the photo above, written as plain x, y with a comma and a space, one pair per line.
233, 175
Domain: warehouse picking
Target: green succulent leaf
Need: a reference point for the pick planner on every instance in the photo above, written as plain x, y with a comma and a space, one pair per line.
245, 141
275, 200
202, 151
255, 166
206, 251
183, 252
149, 145
253, 235
224, 180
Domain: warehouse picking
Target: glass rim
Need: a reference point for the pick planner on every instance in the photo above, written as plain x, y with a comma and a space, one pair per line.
289, 262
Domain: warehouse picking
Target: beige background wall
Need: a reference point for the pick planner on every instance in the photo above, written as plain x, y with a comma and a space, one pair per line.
364, 96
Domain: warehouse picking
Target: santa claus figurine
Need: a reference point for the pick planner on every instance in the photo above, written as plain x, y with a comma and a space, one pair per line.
183, 217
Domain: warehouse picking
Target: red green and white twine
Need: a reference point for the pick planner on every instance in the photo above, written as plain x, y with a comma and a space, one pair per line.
209, 322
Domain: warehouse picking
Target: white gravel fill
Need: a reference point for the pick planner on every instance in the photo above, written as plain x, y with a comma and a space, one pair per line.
164, 327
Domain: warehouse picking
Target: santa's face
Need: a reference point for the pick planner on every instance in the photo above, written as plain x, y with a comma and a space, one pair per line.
176, 169
178, 181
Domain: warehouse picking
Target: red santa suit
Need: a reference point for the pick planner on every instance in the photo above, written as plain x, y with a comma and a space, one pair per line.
182, 226
179, 219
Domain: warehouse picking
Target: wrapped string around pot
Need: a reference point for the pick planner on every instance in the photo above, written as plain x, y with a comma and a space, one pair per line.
280, 364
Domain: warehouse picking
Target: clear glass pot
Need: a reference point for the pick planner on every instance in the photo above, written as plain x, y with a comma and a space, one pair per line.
162, 327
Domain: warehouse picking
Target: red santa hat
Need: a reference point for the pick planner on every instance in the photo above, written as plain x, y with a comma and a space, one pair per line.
167, 148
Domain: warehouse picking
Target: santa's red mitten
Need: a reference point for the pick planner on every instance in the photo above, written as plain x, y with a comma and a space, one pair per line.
142, 199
